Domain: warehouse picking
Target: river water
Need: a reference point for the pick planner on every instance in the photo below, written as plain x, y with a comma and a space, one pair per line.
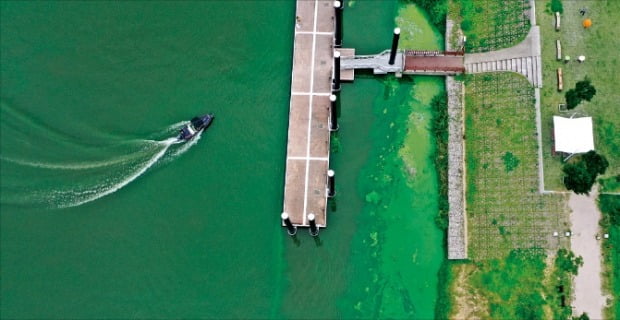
103, 215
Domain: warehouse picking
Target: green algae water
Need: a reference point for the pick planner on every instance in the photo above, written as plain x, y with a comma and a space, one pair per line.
103, 215
380, 256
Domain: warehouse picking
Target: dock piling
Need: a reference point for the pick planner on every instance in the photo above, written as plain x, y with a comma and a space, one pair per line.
331, 183
394, 46
314, 230
336, 85
338, 7
333, 113
290, 228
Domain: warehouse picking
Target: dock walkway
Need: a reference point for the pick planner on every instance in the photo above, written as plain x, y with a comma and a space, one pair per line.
307, 157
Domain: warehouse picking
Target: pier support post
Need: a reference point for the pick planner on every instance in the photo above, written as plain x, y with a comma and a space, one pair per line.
333, 113
290, 228
336, 84
338, 7
394, 46
314, 230
331, 183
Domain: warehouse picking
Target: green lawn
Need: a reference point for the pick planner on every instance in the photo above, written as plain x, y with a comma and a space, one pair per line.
505, 210
492, 24
512, 285
600, 45
610, 184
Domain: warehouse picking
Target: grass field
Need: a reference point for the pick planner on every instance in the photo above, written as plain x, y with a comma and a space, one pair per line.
492, 24
610, 206
600, 45
513, 271
505, 210
511, 225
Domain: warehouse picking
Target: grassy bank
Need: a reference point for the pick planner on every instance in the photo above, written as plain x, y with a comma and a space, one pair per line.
439, 129
610, 208
510, 223
513, 272
599, 44
436, 10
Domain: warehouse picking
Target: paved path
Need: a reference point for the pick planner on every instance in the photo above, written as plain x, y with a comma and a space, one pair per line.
523, 58
584, 219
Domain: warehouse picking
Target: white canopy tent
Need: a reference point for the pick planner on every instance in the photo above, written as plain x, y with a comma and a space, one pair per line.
573, 135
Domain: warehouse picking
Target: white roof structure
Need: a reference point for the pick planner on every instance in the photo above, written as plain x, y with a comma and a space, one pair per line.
573, 135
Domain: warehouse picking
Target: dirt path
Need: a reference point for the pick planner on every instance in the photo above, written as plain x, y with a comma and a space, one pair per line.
584, 219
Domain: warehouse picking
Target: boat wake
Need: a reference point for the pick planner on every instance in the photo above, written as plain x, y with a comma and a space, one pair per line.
29, 181
102, 191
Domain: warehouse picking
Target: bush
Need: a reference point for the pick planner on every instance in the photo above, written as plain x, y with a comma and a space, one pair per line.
610, 207
437, 10
583, 316
567, 262
439, 128
466, 25
510, 161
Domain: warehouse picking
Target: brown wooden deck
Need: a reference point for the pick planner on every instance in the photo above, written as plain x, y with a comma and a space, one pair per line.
432, 63
307, 158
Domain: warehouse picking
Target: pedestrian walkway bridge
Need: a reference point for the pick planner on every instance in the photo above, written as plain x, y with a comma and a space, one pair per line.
419, 62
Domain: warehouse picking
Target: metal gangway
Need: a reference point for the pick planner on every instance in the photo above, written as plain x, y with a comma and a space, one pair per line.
379, 63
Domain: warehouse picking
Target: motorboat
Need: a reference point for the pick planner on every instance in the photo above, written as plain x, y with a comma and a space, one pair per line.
194, 126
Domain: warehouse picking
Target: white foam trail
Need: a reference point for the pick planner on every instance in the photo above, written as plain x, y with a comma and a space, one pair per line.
171, 141
71, 166
142, 169
124, 182
89, 165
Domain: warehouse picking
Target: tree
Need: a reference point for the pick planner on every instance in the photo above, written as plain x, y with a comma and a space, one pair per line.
595, 163
581, 174
577, 178
585, 90
572, 99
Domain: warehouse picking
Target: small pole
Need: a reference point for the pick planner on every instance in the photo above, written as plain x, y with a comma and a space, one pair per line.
290, 228
394, 45
338, 32
333, 113
336, 86
314, 230
331, 183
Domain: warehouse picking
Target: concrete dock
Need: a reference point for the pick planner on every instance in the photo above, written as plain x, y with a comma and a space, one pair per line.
307, 157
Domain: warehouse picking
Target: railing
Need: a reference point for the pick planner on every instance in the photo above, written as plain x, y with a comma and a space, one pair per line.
435, 69
432, 53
